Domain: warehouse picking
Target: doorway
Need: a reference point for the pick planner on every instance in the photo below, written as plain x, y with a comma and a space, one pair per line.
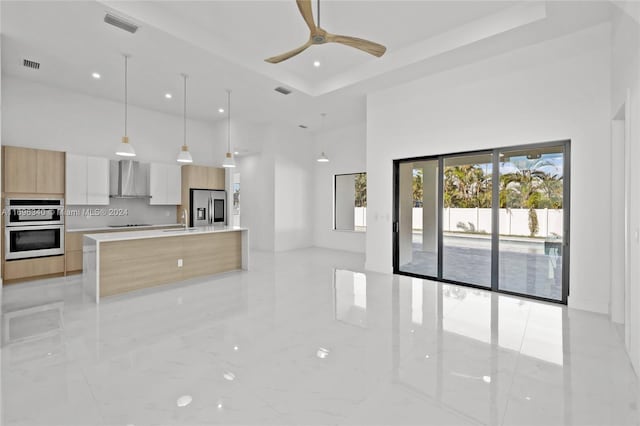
495, 219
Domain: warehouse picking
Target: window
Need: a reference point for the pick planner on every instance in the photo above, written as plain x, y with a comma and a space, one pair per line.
350, 202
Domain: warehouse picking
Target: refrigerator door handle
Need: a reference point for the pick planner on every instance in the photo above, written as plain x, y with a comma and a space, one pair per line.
210, 210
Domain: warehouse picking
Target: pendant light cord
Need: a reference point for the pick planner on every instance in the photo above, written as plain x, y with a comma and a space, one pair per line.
228, 120
324, 115
318, 13
126, 57
184, 76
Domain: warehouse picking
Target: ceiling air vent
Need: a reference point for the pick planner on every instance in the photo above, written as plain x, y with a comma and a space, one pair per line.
120, 23
282, 90
31, 64
302, 126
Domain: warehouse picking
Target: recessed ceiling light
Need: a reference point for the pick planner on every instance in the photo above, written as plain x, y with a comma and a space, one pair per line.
184, 400
322, 353
95, 75
220, 110
168, 95
316, 64
235, 348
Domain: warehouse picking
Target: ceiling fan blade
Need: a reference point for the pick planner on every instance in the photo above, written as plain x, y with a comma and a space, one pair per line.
365, 45
289, 54
307, 13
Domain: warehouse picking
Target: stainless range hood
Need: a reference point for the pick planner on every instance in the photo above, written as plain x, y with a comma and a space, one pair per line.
128, 179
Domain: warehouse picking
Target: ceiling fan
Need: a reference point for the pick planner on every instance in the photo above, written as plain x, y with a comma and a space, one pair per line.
320, 36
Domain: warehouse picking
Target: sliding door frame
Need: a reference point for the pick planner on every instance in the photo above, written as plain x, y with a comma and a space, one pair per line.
495, 216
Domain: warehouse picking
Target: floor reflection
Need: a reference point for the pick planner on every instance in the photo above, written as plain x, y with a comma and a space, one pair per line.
305, 337
350, 297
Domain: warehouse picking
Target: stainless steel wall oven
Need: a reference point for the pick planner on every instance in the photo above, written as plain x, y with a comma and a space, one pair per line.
33, 228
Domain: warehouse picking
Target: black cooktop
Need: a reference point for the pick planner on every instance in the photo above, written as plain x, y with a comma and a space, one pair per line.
129, 225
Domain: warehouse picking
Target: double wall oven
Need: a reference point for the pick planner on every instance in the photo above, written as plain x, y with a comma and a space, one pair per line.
33, 228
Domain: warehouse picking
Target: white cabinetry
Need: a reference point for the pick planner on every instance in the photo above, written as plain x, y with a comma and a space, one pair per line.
87, 180
97, 180
165, 184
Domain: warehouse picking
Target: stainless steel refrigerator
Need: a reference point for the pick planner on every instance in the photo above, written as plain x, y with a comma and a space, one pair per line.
207, 207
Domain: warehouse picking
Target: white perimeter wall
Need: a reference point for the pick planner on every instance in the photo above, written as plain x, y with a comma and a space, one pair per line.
625, 94
551, 91
346, 149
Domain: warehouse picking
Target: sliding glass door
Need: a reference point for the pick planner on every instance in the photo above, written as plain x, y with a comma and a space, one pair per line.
531, 221
495, 219
418, 217
466, 219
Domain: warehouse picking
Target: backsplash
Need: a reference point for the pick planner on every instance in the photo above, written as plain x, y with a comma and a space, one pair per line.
120, 211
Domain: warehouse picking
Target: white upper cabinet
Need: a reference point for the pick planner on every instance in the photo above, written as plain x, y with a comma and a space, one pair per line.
174, 184
87, 180
97, 180
76, 179
165, 184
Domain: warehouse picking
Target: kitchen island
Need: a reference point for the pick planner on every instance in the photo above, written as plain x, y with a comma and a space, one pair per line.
115, 263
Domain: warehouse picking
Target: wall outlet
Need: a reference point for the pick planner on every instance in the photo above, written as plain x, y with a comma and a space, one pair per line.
179, 263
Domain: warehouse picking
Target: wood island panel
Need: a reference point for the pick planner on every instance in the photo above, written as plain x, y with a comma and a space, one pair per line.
199, 258
135, 264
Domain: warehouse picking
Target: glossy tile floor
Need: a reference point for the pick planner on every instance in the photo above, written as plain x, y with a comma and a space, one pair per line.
304, 338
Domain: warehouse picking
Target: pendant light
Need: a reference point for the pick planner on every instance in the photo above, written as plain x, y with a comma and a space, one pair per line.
323, 158
125, 149
185, 156
228, 161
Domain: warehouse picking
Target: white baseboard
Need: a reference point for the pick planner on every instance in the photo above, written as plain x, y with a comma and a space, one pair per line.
588, 305
378, 268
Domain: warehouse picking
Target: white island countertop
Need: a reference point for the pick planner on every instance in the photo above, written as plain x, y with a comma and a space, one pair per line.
159, 233
120, 228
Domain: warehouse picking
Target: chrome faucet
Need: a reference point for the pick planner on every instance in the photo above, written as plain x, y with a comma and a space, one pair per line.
185, 219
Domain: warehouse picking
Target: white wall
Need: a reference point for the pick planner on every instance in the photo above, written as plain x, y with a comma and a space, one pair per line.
278, 175
625, 96
47, 117
257, 193
346, 149
294, 215
276, 182
555, 90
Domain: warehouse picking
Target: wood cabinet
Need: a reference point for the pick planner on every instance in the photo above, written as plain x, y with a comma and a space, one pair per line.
33, 171
28, 268
215, 178
165, 184
200, 177
87, 180
49, 172
19, 169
